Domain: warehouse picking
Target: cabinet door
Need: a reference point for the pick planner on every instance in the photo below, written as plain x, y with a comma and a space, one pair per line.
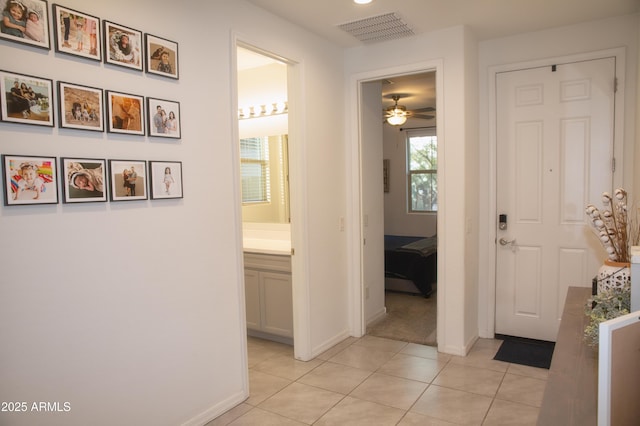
277, 302
252, 298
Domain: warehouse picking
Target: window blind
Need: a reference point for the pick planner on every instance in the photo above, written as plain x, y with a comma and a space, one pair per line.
254, 165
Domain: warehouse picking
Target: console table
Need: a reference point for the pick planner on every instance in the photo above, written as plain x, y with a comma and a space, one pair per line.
571, 394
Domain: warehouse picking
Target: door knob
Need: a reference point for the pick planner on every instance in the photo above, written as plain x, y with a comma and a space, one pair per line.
504, 242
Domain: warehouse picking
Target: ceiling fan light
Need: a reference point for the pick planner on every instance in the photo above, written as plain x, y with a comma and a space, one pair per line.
397, 119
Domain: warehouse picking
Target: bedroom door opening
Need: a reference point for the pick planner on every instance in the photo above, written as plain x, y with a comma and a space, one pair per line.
395, 283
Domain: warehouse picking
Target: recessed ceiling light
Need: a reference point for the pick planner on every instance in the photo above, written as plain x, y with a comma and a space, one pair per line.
362, 1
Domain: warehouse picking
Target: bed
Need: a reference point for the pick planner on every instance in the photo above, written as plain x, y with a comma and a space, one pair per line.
410, 263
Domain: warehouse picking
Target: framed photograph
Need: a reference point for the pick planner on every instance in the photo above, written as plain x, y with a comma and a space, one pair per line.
126, 113
165, 179
122, 46
162, 56
26, 99
76, 33
128, 180
29, 180
83, 180
25, 21
164, 118
80, 107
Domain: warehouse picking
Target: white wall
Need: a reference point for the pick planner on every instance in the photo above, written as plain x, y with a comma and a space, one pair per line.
538, 47
132, 311
262, 85
397, 220
474, 192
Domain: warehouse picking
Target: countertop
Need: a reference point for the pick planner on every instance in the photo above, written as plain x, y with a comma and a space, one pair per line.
267, 246
571, 394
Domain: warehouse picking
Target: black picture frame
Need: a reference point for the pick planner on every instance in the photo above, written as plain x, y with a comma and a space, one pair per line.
34, 20
29, 179
84, 180
76, 33
161, 56
120, 186
17, 107
163, 118
116, 52
80, 107
165, 179
125, 113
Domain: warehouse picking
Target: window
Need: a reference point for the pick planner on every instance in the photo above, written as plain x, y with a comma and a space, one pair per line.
254, 165
422, 170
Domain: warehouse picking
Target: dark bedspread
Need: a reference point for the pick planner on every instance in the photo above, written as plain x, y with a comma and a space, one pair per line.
412, 258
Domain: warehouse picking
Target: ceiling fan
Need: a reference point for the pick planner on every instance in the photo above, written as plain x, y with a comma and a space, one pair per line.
397, 115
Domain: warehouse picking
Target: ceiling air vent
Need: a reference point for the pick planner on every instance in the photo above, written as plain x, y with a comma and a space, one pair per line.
378, 28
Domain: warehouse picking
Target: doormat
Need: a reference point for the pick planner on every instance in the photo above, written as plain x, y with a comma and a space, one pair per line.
518, 350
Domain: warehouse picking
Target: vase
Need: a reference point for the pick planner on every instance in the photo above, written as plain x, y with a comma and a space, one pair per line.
614, 276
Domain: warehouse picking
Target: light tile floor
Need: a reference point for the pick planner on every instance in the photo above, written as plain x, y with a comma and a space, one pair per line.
377, 381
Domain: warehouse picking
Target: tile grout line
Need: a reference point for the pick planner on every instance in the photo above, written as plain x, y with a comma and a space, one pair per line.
377, 370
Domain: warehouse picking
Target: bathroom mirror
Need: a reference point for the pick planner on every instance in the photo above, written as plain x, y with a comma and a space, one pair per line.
265, 179
263, 113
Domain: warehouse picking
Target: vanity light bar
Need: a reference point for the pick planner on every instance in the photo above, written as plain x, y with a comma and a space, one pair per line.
265, 110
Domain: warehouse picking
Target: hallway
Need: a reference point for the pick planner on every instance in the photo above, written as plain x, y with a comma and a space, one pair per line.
378, 381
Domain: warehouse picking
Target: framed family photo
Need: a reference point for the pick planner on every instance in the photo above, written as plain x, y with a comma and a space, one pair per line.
126, 113
76, 33
165, 179
122, 46
26, 99
127, 180
162, 56
29, 180
163, 118
25, 21
80, 107
83, 180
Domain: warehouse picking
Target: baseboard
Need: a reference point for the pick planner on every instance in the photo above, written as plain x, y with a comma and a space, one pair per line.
328, 344
486, 334
269, 336
217, 410
458, 350
470, 344
377, 316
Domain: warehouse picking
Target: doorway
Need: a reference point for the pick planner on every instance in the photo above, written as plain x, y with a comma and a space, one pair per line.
389, 213
271, 113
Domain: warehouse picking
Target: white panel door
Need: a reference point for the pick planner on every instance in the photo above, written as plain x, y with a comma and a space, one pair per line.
554, 156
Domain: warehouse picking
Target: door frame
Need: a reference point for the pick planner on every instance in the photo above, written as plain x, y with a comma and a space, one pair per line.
488, 234
358, 323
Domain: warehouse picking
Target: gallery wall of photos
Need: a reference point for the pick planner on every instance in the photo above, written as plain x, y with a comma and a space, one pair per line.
39, 101
29, 179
